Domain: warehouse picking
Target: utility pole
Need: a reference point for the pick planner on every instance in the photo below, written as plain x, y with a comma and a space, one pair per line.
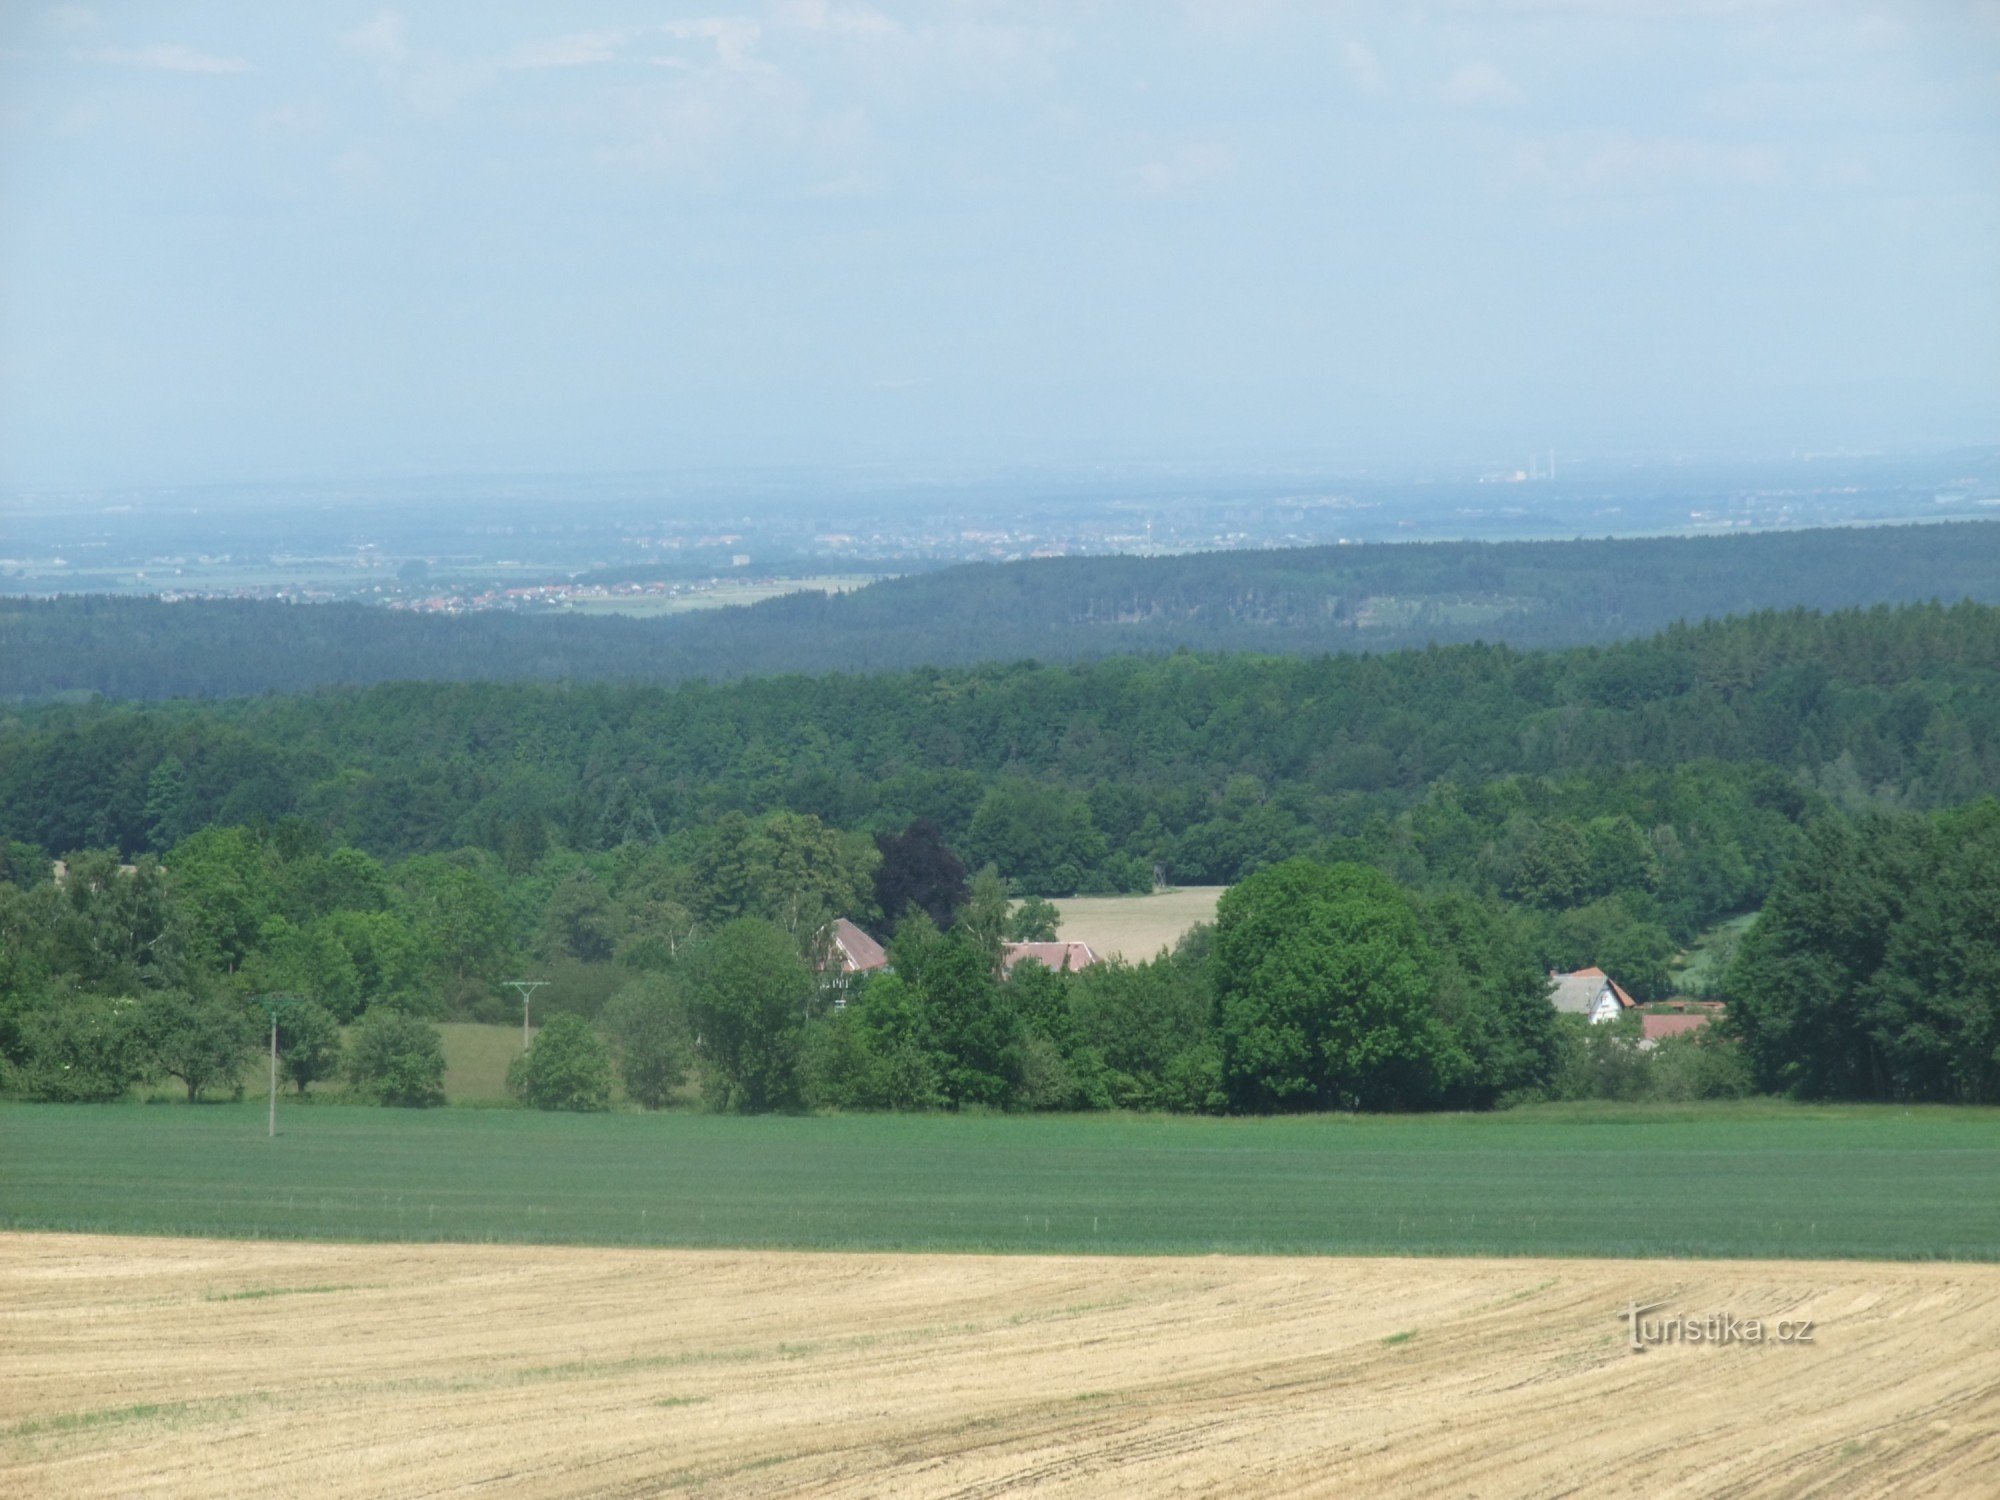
527, 987
274, 1072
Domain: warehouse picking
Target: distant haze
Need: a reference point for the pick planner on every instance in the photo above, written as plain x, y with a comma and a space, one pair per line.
253, 241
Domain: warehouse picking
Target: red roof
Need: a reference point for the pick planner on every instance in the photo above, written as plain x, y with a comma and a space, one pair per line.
854, 951
1659, 1026
1053, 956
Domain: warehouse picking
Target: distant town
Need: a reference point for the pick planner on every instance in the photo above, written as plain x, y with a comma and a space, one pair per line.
640, 545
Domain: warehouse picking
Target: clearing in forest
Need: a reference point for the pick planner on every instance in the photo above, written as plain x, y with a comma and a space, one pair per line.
1136, 927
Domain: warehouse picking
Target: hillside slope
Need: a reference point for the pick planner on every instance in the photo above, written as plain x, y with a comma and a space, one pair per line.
1301, 601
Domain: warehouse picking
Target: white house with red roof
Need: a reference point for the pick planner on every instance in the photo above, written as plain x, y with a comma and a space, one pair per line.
1588, 992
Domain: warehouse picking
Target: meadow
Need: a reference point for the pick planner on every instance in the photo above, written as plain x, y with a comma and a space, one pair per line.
1753, 1180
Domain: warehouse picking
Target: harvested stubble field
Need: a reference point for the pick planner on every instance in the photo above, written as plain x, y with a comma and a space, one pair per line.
191, 1367
1136, 928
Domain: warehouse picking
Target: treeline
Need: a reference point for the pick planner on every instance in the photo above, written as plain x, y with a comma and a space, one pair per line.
1288, 601
1874, 972
1871, 975
1627, 796
1319, 987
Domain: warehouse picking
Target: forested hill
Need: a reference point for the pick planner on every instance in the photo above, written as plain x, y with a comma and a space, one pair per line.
1724, 735
1291, 602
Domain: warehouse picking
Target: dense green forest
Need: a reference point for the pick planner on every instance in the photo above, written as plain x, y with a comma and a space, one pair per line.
1419, 836
1694, 756
1296, 601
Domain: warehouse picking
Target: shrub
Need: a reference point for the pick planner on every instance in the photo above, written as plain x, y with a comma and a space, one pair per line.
81, 1049
567, 1068
1602, 1060
647, 1023
1699, 1065
874, 1054
396, 1059
308, 1043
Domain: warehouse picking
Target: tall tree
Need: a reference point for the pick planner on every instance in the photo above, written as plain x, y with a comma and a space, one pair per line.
1323, 993
204, 1041
918, 869
978, 1036
170, 813
308, 1043
648, 1026
1799, 985
748, 998
1934, 1005
1494, 996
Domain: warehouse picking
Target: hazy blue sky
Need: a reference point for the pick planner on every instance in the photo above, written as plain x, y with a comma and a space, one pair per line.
264, 240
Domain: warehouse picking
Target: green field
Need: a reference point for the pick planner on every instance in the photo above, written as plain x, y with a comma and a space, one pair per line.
1750, 1180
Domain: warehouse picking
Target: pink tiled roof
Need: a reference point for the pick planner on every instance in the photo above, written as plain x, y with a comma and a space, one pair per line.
1055, 956
855, 951
1659, 1026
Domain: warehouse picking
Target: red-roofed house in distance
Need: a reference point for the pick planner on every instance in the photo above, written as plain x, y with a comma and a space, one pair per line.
851, 954
855, 951
1588, 992
1686, 1016
1659, 1026
1056, 957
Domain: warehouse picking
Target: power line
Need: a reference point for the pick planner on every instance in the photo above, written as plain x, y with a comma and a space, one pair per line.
527, 987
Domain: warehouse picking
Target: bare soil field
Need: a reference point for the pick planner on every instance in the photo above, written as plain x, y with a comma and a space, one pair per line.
1136, 927
191, 1368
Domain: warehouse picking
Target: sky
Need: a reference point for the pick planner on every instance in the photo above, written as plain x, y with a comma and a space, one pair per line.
254, 242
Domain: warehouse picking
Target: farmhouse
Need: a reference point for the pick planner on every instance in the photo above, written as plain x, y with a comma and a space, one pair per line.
1588, 992
1055, 957
853, 952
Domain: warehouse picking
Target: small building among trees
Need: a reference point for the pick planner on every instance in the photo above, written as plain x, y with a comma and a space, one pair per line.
1589, 992
1056, 957
853, 952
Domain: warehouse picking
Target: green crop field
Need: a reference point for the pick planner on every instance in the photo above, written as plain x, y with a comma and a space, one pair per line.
1751, 1180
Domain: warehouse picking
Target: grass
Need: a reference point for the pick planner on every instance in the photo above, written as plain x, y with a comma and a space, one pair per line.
1700, 966
476, 1059
1759, 1180
476, 1056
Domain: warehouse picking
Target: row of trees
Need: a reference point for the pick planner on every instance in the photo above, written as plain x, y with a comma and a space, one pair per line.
91, 1049
1320, 986
1871, 975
